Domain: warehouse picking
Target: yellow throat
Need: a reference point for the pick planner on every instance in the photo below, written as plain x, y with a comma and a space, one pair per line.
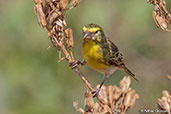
93, 55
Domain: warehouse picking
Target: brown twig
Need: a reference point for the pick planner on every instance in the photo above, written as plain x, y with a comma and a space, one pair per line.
160, 14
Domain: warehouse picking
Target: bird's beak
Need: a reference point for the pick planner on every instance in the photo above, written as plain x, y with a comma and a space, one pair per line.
86, 35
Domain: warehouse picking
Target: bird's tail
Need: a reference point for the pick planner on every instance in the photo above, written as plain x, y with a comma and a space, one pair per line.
130, 73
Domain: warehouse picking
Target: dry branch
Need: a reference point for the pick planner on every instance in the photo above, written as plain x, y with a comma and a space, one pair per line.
160, 14
117, 99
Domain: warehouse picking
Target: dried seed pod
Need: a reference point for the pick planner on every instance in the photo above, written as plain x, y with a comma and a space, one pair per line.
75, 104
39, 13
110, 95
64, 3
69, 38
125, 83
165, 102
165, 93
135, 97
52, 17
128, 98
89, 102
113, 104
160, 14
75, 3
103, 93
169, 78
97, 108
58, 22
160, 21
117, 93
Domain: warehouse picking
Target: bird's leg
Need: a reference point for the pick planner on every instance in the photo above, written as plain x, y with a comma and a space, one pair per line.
96, 91
76, 63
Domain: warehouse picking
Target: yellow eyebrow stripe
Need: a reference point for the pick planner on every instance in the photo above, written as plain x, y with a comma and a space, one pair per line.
91, 29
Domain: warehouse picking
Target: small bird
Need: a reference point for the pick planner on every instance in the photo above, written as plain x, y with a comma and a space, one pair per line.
101, 54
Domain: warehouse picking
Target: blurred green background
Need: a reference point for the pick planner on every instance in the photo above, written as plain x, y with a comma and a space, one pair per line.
31, 80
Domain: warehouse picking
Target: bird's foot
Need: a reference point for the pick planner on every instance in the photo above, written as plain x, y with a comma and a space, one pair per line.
76, 63
95, 92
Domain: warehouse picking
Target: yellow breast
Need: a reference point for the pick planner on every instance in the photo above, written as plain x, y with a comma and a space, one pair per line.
93, 55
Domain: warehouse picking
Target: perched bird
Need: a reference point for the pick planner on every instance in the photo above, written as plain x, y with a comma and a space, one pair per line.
101, 54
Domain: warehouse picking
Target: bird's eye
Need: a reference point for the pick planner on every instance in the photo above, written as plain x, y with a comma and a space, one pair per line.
96, 31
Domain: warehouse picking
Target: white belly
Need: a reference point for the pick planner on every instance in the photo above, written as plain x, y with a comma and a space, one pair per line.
109, 71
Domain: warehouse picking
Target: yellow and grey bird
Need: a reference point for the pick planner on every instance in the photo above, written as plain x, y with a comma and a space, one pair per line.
101, 53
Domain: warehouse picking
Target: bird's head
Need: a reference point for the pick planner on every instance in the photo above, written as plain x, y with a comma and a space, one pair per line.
93, 32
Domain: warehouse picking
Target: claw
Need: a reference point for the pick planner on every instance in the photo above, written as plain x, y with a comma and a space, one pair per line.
74, 64
95, 92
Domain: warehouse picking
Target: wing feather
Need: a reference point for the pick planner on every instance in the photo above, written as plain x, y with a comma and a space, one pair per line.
112, 54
